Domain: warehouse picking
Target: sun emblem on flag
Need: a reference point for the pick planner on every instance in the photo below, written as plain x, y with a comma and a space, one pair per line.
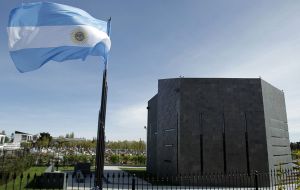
79, 36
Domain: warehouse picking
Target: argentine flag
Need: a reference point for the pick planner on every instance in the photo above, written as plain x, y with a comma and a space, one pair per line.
43, 31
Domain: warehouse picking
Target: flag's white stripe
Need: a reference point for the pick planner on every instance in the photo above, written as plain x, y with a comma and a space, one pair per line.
54, 36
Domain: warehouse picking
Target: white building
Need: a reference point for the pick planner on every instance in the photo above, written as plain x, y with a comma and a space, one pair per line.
8, 146
2, 139
20, 137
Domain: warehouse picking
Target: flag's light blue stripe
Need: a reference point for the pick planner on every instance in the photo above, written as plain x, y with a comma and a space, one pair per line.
39, 56
52, 14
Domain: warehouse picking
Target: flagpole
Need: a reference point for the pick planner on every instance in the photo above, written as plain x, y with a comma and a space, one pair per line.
100, 149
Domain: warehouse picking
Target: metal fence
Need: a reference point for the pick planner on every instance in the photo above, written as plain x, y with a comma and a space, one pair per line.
284, 179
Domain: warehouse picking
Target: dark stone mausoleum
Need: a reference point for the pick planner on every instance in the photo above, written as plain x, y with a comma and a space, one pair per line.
216, 125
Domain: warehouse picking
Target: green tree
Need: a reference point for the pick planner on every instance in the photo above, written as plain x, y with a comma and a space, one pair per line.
125, 158
141, 159
127, 145
26, 145
44, 140
114, 159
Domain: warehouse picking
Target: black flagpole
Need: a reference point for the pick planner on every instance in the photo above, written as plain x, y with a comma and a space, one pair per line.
100, 149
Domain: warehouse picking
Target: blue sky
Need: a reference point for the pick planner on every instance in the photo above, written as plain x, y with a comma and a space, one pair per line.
153, 40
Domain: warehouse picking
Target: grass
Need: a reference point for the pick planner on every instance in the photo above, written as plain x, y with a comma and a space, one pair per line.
70, 168
129, 169
142, 174
139, 172
65, 168
18, 184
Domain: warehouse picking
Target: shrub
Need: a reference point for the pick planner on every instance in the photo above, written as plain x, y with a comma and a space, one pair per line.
114, 159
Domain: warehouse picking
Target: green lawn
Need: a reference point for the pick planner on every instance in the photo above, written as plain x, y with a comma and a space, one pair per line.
65, 168
139, 172
18, 183
70, 168
142, 174
133, 169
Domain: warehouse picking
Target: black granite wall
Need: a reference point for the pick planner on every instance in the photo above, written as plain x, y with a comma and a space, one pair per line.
167, 125
209, 125
151, 136
225, 106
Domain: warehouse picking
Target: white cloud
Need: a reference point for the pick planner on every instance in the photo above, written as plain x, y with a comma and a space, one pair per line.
127, 122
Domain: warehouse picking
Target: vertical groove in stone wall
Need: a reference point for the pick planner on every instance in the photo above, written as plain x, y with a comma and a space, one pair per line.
224, 143
177, 144
247, 144
201, 144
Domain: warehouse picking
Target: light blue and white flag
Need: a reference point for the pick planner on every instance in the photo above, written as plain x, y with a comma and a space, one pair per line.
43, 31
